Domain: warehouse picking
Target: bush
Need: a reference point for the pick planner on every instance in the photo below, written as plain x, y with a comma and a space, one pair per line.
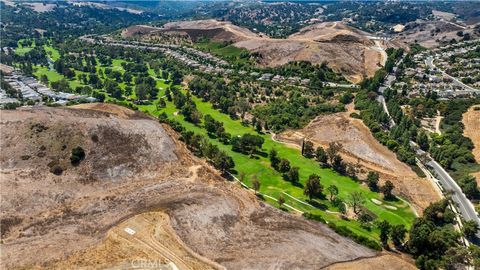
314, 217
56, 169
344, 231
355, 115
78, 154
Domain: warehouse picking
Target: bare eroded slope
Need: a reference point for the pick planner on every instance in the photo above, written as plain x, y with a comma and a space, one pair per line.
344, 48
136, 175
360, 147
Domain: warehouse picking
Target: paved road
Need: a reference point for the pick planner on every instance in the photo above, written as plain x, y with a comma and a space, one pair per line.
463, 204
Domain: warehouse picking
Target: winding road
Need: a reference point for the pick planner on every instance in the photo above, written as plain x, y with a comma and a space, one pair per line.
462, 203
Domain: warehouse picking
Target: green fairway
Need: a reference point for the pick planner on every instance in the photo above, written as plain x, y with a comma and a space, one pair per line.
54, 76
21, 50
274, 185
52, 52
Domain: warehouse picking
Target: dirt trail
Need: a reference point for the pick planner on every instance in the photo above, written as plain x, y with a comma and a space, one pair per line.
362, 149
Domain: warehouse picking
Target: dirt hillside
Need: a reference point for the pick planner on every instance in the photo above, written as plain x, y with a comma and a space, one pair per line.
344, 48
430, 34
137, 195
471, 120
360, 147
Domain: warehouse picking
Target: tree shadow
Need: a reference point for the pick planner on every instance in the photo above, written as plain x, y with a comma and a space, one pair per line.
211, 136
318, 205
262, 153
298, 184
260, 196
391, 198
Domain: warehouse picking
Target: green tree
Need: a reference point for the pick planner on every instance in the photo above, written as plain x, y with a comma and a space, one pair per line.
313, 188
372, 180
161, 103
387, 189
292, 175
332, 150
470, 228
258, 126
256, 184
356, 200
223, 161
338, 165
398, 234
333, 190
342, 208
274, 159
422, 141
307, 150
280, 201
385, 228
284, 165
321, 155
44, 79
78, 154
469, 186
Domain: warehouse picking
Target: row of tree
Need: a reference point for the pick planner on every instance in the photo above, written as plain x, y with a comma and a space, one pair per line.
201, 146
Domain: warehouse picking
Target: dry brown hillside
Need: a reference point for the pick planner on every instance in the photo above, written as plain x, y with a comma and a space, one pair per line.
344, 48
432, 33
361, 148
137, 195
471, 120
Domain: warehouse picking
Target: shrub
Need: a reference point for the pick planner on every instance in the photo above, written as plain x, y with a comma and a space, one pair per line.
78, 154
344, 231
56, 169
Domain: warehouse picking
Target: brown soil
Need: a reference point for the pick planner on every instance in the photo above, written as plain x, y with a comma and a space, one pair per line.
344, 48
386, 261
443, 31
137, 30
360, 147
137, 175
471, 120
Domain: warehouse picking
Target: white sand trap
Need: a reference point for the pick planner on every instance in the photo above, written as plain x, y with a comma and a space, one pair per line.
375, 201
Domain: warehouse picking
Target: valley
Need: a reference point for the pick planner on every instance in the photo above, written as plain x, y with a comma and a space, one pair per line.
239, 135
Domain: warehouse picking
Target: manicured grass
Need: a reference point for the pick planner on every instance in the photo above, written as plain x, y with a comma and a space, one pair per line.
54, 76
52, 52
20, 50
272, 182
